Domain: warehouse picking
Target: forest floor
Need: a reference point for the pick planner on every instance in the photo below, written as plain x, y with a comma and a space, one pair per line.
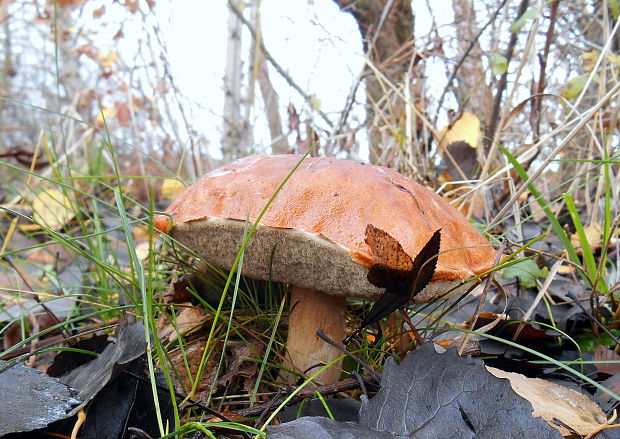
87, 283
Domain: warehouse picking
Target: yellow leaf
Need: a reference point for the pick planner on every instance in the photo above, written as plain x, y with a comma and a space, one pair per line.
553, 402
593, 233
107, 60
171, 187
588, 60
613, 58
142, 251
566, 269
52, 208
466, 129
107, 113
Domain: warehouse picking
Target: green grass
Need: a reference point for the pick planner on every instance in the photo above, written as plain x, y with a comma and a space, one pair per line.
245, 310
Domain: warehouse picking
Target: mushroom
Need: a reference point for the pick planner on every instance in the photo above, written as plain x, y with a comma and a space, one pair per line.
317, 224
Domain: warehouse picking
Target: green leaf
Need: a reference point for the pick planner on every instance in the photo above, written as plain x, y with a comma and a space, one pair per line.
499, 63
589, 342
315, 103
526, 271
575, 86
530, 14
614, 5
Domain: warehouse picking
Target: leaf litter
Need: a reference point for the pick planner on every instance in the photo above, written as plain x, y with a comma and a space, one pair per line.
31, 400
432, 394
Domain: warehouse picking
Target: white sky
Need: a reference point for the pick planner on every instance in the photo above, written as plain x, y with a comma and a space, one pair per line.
318, 45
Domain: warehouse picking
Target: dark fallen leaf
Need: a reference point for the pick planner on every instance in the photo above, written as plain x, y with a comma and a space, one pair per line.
110, 409
343, 410
90, 378
128, 402
325, 428
604, 399
459, 161
66, 361
432, 395
445, 395
31, 400
395, 271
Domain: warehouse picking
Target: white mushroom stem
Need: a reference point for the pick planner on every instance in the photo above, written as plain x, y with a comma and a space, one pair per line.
310, 311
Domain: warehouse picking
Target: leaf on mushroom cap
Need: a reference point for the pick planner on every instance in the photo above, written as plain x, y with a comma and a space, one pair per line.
395, 271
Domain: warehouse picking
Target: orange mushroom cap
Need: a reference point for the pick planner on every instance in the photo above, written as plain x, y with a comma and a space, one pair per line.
318, 222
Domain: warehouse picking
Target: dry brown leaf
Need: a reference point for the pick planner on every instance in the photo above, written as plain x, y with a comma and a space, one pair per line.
106, 114
54, 254
604, 354
132, 6
588, 60
98, 13
566, 269
140, 233
69, 3
123, 115
143, 250
192, 357
554, 402
242, 366
188, 320
118, 34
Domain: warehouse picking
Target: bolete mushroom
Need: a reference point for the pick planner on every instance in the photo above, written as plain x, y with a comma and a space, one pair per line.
317, 226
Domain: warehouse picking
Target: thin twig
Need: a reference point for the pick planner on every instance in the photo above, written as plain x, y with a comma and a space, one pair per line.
593, 320
330, 389
482, 298
366, 366
275, 64
269, 406
542, 82
501, 85
48, 311
463, 58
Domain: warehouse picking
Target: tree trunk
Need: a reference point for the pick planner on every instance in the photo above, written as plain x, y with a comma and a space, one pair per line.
279, 144
233, 123
7, 70
472, 92
387, 31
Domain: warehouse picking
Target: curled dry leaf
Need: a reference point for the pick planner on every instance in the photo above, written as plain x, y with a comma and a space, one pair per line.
553, 403
393, 269
188, 320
